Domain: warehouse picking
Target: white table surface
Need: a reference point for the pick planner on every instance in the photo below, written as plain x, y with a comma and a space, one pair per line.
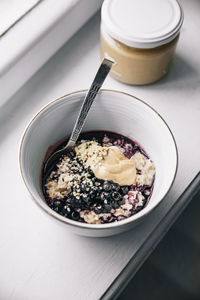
38, 258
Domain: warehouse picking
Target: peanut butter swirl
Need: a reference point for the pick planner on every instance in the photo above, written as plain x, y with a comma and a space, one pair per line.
110, 164
116, 167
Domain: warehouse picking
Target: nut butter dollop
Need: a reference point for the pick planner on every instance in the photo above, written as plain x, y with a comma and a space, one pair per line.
114, 166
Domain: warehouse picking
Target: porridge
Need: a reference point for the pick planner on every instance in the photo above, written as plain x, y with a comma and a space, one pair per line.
105, 178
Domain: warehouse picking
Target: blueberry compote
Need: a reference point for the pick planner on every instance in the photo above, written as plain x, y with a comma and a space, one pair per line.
106, 178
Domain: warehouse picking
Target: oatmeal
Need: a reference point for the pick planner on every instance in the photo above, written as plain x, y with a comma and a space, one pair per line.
105, 178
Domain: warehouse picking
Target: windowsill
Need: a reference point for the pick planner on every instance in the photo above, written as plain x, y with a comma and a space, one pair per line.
36, 37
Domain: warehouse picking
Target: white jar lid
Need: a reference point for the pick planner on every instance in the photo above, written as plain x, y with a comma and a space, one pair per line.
142, 23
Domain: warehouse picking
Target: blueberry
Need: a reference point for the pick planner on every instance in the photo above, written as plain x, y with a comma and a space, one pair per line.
50, 205
105, 196
75, 215
106, 186
58, 204
68, 200
56, 209
99, 189
98, 210
114, 204
115, 187
66, 210
85, 198
77, 189
85, 188
116, 196
124, 190
75, 204
122, 201
107, 207
92, 194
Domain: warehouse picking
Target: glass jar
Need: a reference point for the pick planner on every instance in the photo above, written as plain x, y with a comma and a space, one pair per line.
140, 36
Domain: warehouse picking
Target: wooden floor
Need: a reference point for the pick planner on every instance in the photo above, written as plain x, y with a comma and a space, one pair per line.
173, 270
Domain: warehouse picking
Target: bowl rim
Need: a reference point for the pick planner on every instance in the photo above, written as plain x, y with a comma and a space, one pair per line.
132, 219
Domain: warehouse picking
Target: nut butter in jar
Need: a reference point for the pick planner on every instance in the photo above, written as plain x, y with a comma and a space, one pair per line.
140, 36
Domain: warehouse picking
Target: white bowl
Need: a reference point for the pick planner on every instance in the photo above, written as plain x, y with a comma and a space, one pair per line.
112, 110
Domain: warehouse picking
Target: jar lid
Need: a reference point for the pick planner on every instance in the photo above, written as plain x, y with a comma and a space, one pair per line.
142, 23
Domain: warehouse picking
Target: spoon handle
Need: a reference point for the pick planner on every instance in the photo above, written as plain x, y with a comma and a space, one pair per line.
102, 73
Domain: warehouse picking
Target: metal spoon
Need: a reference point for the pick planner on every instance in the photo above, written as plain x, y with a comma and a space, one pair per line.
101, 75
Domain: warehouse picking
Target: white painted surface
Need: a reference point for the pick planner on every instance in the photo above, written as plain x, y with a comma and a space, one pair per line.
12, 10
36, 37
40, 260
